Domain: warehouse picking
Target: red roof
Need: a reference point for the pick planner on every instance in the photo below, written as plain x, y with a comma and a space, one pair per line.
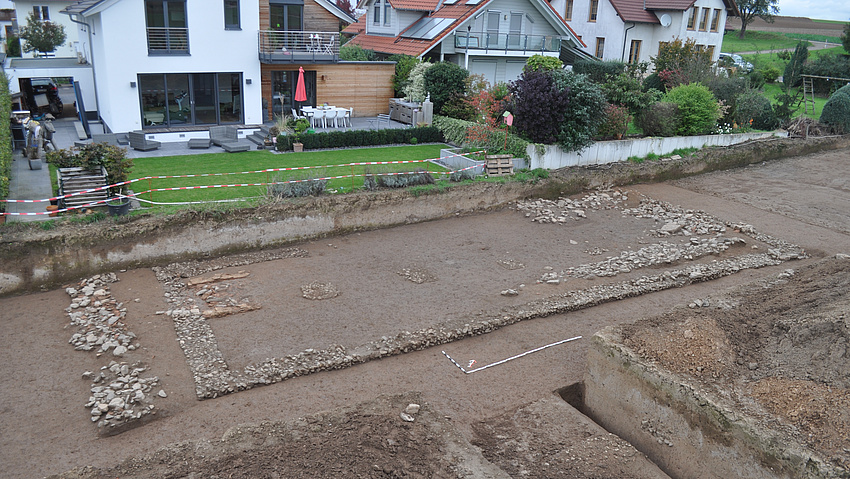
680, 5
633, 11
420, 5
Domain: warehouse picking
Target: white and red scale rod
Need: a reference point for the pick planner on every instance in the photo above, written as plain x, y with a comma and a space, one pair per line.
541, 348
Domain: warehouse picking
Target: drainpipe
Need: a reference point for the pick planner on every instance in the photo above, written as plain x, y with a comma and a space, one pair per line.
625, 39
91, 60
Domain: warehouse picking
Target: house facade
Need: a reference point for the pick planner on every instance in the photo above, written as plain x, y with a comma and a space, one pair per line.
632, 30
50, 10
493, 38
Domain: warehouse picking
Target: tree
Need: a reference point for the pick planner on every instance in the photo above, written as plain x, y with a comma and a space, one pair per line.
845, 38
42, 36
443, 81
682, 62
346, 6
750, 9
794, 69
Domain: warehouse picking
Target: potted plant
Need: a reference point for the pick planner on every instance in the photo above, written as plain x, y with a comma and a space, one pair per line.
300, 126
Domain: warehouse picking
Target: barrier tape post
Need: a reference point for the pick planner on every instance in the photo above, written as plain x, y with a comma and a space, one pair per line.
150, 189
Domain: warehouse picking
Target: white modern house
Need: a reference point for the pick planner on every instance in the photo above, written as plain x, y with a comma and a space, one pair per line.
171, 62
490, 37
49, 10
632, 30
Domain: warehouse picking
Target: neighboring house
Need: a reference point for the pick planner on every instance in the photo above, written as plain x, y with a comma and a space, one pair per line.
493, 38
306, 34
632, 30
8, 25
49, 10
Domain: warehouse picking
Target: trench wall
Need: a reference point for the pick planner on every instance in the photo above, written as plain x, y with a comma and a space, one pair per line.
31, 257
679, 427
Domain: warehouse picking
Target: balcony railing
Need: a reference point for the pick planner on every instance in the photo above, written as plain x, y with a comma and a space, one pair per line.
302, 47
168, 40
507, 42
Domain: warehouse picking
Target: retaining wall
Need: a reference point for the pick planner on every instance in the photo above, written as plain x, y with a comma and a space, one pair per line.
552, 157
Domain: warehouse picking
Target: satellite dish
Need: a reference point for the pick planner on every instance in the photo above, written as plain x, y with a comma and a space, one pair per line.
666, 20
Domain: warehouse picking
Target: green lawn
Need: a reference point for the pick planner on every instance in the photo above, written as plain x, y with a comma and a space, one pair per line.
261, 160
756, 41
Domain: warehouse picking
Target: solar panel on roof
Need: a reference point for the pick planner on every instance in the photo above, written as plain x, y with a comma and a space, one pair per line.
428, 28
473, 2
450, 2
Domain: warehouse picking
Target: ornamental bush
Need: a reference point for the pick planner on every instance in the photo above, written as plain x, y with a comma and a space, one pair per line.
754, 106
836, 111
616, 122
599, 72
698, 109
538, 105
443, 81
543, 62
659, 119
727, 90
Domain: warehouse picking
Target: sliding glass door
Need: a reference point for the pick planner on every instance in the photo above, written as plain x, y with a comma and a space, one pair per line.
174, 99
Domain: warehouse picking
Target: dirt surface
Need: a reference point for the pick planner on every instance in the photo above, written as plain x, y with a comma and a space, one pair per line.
778, 349
391, 281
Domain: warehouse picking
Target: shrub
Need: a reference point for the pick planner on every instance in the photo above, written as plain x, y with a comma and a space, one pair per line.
727, 90
616, 122
829, 66
5, 140
755, 80
599, 72
490, 104
300, 188
786, 105
443, 81
356, 53
415, 87
653, 82
459, 107
626, 90
682, 63
462, 175
13, 46
543, 62
659, 119
478, 136
794, 68
538, 105
754, 106
418, 177
836, 111
585, 110
403, 66
352, 138
770, 74
698, 109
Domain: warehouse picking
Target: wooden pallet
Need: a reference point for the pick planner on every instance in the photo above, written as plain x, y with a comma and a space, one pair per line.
74, 180
498, 165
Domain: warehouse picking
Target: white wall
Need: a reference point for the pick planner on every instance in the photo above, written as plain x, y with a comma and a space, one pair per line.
24, 7
120, 54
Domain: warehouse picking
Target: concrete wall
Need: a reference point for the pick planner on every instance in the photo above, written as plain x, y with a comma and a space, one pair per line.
603, 152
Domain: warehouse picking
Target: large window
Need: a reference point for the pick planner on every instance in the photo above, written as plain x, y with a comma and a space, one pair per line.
231, 15
286, 16
600, 47
634, 51
41, 12
703, 21
387, 10
377, 14
190, 98
166, 23
283, 91
715, 19
568, 12
594, 9
692, 18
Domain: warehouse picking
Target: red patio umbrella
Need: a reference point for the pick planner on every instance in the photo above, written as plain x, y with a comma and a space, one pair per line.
300, 91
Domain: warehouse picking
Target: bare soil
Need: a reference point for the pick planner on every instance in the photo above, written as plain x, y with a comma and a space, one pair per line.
518, 425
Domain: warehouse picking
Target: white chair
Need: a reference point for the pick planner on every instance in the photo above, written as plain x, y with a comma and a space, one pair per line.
318, 116
296, 116
329, 47
331, 117
347, 114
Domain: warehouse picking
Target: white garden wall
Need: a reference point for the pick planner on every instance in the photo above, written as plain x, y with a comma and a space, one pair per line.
602, 152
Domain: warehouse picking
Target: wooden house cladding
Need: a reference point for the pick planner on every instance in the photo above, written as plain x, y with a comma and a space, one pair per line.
366, 86
316, 18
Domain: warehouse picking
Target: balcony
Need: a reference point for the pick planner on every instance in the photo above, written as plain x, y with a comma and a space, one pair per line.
505, 43
166, 41
298, 47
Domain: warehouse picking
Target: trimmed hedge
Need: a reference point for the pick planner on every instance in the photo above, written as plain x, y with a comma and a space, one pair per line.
344, 139
5, 140
836, 112
458, 132
755, 107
